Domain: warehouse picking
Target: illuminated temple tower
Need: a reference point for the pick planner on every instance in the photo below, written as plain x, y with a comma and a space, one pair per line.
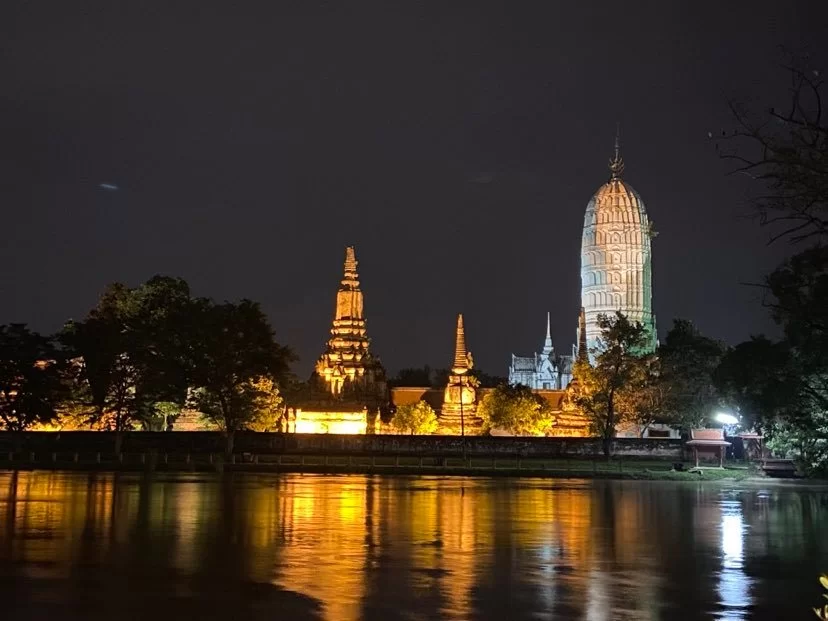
458, 413
348, 389
347, 364
616, 270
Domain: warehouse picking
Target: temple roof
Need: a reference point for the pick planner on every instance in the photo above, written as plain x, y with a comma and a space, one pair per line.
523, 363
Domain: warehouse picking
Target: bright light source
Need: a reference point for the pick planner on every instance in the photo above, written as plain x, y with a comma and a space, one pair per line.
726, 419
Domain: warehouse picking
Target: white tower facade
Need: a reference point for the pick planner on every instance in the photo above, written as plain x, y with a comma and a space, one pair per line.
616, 256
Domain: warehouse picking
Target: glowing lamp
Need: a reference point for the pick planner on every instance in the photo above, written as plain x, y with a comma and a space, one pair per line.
726, 419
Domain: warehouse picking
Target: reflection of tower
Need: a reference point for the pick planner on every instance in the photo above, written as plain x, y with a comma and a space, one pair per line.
459, 399
335, 577
462, 514
616, 271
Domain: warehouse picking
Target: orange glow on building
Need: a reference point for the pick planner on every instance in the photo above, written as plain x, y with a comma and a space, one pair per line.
349, 423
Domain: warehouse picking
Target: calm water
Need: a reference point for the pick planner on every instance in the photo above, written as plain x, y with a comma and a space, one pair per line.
107, 546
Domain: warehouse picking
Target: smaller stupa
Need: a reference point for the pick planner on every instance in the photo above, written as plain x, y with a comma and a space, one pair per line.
458, 415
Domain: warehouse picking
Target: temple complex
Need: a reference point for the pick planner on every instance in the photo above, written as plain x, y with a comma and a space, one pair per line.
458, 414
544, 371
347, 391
616, 270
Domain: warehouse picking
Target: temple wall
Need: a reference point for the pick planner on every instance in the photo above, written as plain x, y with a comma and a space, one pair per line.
337, 422
434, 396
411, 395
275, 443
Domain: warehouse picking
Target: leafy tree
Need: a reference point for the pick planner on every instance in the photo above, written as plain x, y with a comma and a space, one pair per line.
415, 419
517, 410
107, 379
758, 378
782, 387
160, 316
643, 398
799, 304
235, 358
268, 406
598, 391
134, 352
687, 361
164, 415
30, 379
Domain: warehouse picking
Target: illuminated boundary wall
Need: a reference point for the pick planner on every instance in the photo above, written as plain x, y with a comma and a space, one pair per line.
331, 444
328, 422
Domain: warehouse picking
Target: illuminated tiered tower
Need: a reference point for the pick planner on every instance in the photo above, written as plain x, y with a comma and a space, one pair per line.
458, 414
347, 365
347, 392
616, 270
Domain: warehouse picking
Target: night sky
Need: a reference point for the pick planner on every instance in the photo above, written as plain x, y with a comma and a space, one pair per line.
455, 146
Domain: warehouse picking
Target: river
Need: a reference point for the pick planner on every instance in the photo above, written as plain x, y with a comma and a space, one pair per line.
341, 548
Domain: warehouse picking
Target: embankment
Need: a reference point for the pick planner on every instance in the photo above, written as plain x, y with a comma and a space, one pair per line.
384, 454
200, 443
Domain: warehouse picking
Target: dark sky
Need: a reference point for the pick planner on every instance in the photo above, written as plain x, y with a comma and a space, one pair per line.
456, 145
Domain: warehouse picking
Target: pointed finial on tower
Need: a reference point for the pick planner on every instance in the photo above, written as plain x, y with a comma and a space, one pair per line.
350, 260
547, 344
462, 358
350, 267
616, 164
583, 352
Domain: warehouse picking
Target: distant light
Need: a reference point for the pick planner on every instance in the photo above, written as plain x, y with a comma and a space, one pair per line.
726, 419
108, 186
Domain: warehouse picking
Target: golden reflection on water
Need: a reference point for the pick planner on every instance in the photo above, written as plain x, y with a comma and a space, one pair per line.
395, 547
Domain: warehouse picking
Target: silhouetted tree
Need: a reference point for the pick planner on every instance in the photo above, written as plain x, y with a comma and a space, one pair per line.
785, 151
758, 377
784, 386
687, 361
30, 378
234, 351
133, 352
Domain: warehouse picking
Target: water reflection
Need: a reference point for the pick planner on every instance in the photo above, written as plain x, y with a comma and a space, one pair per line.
342, 548
734, 584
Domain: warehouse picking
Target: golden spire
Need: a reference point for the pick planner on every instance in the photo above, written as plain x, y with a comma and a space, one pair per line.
350, 279
616, 164
462, 358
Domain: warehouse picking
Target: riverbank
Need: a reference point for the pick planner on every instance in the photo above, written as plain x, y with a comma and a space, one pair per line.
633, 458
656, 470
